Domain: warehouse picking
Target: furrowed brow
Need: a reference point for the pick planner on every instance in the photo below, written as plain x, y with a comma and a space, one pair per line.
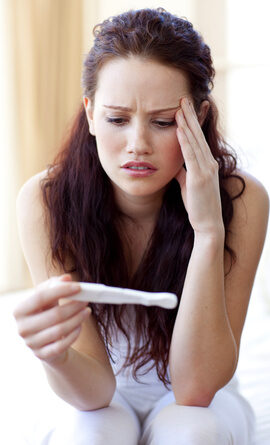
117, 107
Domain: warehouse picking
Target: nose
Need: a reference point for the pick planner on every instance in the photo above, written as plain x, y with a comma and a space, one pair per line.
138, 140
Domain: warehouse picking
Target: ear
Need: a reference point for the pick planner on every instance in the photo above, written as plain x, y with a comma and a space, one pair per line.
205, 105
89, 114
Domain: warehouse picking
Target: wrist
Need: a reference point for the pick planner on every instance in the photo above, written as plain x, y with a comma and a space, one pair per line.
214, 240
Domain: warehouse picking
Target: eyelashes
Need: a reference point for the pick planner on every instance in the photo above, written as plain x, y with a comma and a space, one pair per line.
118, 121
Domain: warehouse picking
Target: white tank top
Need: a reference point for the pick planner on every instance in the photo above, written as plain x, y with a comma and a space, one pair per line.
150, 380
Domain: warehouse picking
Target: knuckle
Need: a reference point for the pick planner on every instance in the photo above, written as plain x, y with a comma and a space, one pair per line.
183, 124
40, 355
207, 176
214, 166
209, 173
191, 156
22, 331
56, 349
29, 343
40, 296
15, 313
59, 331
58, 314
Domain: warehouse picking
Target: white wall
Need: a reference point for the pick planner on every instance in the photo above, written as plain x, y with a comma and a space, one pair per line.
181, 7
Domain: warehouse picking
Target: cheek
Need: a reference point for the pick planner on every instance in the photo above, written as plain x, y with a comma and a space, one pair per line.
107, 140
173, 150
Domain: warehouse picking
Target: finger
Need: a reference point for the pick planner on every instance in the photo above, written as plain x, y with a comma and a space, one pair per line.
209, 161
57, 332
191, 139
55, 349
43, 297
194, 125
190, 158
32, 324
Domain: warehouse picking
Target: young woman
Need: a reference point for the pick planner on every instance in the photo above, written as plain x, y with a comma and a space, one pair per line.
144, 194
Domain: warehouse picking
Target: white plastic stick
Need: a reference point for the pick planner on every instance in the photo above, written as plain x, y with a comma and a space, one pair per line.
100, 293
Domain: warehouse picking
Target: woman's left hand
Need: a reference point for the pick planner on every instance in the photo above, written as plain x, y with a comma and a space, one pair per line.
199, 182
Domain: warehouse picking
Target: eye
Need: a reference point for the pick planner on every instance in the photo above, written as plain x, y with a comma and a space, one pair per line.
115, 120
119, 121
165, 124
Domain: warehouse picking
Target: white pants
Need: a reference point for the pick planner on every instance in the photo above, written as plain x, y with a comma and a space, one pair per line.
229, 420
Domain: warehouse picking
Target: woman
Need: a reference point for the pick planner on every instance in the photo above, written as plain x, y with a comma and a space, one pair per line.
144, 194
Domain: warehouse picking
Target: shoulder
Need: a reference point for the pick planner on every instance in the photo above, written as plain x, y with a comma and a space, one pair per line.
247, 230
251, 208
29, 208
245, 236
29, 203
32, 228
252, 184
30, 192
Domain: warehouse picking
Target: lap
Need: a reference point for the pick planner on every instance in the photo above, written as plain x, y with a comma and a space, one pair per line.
227, 420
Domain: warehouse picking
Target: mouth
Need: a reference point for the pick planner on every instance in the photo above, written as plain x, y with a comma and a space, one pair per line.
139, 169
138, 166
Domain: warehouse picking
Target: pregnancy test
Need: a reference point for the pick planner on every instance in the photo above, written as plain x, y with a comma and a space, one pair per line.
100, 293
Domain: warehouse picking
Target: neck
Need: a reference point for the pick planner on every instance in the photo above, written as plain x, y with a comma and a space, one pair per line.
141, 209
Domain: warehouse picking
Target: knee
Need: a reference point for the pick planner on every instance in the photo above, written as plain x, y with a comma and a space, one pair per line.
112, 425
186, 425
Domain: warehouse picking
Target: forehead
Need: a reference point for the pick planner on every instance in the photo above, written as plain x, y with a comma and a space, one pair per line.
144, 80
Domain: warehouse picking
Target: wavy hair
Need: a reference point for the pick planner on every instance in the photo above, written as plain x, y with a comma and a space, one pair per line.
82, 215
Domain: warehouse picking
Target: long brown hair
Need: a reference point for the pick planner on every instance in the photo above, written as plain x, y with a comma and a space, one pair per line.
83, 217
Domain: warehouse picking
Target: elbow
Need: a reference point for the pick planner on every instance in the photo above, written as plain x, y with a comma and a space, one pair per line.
102, 401
194, 397
95, 405
194, 394
203, 402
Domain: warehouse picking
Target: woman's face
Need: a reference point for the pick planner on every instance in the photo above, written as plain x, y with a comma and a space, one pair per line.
133, 120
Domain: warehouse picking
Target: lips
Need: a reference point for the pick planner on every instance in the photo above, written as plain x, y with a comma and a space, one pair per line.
138, 164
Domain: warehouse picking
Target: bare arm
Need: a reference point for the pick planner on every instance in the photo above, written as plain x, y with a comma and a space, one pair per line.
62, 336
206, 337
203, 353
83, 379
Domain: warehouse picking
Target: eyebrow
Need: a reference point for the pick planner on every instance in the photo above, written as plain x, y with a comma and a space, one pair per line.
129, 109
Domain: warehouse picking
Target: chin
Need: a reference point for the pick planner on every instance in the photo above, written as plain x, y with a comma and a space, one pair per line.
143, 190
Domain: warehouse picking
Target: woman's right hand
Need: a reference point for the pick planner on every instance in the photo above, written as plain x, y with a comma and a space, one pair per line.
47, 327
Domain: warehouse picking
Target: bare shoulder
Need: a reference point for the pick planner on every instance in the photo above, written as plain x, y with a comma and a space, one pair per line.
246, 238
36, 247
252, 207
248, 227
30, 193
29, 203
32, 228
